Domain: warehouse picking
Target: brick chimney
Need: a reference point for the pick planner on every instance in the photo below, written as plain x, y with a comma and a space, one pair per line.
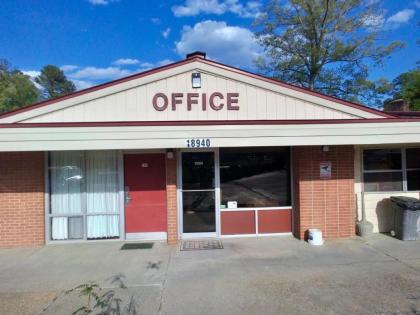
400, 108
196, 54
398, 105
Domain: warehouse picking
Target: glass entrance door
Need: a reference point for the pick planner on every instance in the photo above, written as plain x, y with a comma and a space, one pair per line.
198, 193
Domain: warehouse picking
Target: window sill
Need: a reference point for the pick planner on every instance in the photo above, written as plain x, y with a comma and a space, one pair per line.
256, 208
392, 192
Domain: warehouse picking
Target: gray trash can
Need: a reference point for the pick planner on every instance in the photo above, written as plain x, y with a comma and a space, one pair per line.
407, 218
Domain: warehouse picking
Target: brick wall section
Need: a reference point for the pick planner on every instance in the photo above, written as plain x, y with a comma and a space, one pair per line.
172, 217
326, 204
22, 199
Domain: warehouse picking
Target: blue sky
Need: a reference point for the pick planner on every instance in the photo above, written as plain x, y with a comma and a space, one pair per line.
96, 41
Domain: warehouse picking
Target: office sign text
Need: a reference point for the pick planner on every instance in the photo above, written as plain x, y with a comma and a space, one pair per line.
202, 101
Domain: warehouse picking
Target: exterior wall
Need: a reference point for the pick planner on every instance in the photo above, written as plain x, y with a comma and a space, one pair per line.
326, 204
378, 207
171, 192
22, 209
135, 104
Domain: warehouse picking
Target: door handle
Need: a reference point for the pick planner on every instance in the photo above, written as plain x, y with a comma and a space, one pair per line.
127, 198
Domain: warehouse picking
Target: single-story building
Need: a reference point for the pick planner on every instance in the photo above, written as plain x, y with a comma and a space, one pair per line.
199, 149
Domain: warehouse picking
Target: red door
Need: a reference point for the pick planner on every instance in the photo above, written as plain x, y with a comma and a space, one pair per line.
145, 188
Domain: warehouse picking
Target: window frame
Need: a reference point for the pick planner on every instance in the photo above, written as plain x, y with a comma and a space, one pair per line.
49, 215
407, 169
403, 169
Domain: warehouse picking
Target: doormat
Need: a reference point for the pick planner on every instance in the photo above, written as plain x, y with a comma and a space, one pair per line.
137, 246
201, 244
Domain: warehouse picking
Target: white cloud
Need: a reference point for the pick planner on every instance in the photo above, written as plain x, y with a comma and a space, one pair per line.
399, 18
402, 16
94, 73
417, 4
32, 74
374, 21
394, 21
163, 62
83, 84
66, 68
195, 7
229, 44
148, 65
125, 61
155, 20
251, 9
85, 77
166, 32
101, 2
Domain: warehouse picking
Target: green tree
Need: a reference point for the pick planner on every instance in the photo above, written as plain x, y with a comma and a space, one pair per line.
54, 82
16, 88
325, 45
407, 87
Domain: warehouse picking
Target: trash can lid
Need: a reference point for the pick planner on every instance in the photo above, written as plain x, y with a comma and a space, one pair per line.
408, 203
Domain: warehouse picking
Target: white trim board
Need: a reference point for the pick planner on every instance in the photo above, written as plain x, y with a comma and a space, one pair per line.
186, 236
158, 137
255, 235
146, 236
256, 209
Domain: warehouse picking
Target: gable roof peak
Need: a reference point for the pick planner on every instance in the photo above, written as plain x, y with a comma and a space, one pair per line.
200, 58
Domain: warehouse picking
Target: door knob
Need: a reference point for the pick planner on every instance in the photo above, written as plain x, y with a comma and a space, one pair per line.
127, 197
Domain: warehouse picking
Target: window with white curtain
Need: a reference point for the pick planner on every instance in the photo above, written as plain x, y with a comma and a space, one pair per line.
84, 195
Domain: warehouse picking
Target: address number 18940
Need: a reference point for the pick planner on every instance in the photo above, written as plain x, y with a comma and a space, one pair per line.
198, 143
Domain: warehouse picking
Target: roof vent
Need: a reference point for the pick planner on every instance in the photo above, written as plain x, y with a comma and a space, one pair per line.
196, 54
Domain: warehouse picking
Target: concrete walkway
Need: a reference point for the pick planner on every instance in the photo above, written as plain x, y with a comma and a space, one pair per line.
276, 275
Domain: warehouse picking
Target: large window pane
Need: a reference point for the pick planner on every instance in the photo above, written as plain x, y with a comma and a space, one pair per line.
382, 159
75, 227
413, 180
84, 183
102, 193
413, 158
66, 182
383, 181
59, 228
102, 226
102, 182
197, 170
198, 211
255, 177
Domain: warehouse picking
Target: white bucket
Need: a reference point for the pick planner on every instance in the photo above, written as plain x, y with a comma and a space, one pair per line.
315, 237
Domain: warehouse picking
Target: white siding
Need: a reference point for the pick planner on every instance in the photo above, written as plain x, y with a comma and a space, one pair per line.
135, 104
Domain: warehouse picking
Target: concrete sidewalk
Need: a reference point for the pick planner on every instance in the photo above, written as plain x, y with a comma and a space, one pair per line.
271, 275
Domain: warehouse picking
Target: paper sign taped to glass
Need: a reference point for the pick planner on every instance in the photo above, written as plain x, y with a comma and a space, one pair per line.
325, 170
